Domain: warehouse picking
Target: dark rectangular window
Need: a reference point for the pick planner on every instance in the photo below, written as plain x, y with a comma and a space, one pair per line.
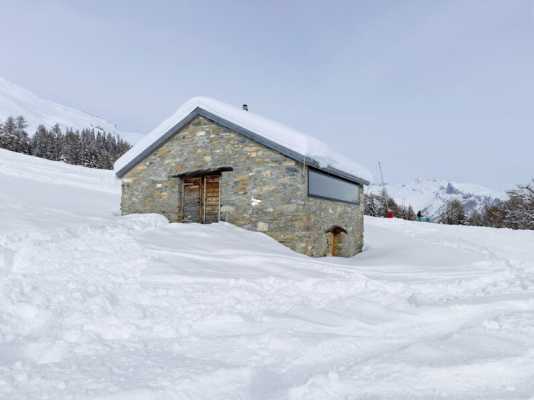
332, 188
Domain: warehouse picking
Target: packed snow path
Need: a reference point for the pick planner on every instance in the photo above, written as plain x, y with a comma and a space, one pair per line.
97, 306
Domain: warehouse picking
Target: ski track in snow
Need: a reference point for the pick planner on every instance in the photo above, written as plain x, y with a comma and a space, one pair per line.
97, 306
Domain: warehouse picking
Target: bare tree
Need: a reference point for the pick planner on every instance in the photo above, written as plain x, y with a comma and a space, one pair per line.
519, 208
454, 213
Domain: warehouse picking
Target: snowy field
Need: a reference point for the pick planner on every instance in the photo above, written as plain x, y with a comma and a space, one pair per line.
97, 306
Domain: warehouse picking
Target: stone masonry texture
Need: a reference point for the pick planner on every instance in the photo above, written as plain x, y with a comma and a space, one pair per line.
266, 191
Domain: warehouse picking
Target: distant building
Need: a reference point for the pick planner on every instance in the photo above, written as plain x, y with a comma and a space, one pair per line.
213, 162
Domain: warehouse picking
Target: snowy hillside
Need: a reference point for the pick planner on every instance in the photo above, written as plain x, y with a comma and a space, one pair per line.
15, 101
97, 306
431, 195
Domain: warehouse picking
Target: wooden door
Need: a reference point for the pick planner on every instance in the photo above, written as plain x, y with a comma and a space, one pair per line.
211, 198
335, 237
192, 200
201, 199
333, 243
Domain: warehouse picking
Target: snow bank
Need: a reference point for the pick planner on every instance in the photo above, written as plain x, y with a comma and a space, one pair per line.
294, 140
38, 194
22, 166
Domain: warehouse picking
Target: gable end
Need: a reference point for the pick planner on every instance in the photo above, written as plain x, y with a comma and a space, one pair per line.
242, 131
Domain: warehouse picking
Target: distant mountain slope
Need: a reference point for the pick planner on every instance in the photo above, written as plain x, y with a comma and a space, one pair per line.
431, 195
15, 101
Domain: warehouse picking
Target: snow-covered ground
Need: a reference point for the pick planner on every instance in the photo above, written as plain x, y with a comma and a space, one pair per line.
97, 306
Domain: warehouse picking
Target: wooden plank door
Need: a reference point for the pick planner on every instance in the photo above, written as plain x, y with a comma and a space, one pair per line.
335, 237
211, 198
201, 199
331, 242
192, 200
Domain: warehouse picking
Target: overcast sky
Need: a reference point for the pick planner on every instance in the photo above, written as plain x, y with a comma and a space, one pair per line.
432, 88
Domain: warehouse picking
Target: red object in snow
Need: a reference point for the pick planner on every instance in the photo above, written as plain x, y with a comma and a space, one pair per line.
390, 214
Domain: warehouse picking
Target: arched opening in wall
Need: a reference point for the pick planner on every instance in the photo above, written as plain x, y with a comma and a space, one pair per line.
335, 239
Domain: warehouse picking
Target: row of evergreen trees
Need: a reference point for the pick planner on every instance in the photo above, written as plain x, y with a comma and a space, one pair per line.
86, 147
516, 213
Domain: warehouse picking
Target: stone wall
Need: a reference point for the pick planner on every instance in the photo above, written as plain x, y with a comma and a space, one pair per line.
266, 191
325, 214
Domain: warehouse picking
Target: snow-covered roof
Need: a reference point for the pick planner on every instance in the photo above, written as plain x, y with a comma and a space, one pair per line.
275, 135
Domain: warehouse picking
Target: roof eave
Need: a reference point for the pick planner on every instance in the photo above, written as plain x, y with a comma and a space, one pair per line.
157, 144
198, 111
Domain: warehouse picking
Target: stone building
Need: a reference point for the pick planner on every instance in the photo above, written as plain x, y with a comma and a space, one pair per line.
213, 162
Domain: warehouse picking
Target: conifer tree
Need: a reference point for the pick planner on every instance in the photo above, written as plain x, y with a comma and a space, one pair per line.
374, 205
9, 140
40, 142
56, 143
94, 150
1, 135
23, 143
72, 148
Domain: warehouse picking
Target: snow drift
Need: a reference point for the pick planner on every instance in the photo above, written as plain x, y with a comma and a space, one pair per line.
98, 306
